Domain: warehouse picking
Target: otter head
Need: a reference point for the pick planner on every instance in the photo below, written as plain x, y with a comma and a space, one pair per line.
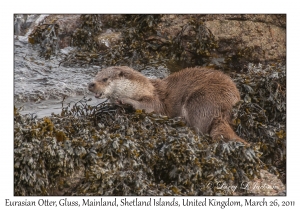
111, 82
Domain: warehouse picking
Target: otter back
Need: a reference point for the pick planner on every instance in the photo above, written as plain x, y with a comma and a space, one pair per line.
199, 95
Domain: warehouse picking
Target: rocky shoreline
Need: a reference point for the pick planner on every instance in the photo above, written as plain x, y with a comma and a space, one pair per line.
95, 149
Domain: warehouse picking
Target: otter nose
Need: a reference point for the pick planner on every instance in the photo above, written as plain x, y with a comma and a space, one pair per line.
91, 85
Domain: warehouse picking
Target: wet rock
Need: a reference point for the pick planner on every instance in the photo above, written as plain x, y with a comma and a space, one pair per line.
67, 25
108, 39
22, 23
18, 22
157, 72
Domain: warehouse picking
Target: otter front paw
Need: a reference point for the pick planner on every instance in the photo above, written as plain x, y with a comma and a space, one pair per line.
127, 101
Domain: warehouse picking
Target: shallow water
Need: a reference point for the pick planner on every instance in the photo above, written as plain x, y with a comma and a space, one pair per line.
41, 85
37, 79
47, 107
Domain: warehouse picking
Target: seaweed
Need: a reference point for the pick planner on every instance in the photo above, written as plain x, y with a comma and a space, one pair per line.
46, 35
109, 150
261, 115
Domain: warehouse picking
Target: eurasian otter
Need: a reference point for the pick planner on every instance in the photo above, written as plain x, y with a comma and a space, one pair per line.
203, 97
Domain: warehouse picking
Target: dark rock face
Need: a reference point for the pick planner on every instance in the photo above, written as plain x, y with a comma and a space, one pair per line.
240, 38
224, 41
250, 39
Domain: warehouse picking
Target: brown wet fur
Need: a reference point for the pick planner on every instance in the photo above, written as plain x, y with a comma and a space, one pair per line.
203, 97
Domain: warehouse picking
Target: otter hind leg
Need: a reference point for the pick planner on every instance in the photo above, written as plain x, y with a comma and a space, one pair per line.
194, 119
220, 129
206, 114
198, 110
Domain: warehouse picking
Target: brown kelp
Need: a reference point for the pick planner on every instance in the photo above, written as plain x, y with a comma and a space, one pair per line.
261, 115
104, 150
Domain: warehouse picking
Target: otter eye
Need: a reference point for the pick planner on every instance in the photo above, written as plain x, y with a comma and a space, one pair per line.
104, 80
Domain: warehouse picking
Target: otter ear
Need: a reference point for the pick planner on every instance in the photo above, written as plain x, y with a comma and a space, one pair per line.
119, 72
122, 74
